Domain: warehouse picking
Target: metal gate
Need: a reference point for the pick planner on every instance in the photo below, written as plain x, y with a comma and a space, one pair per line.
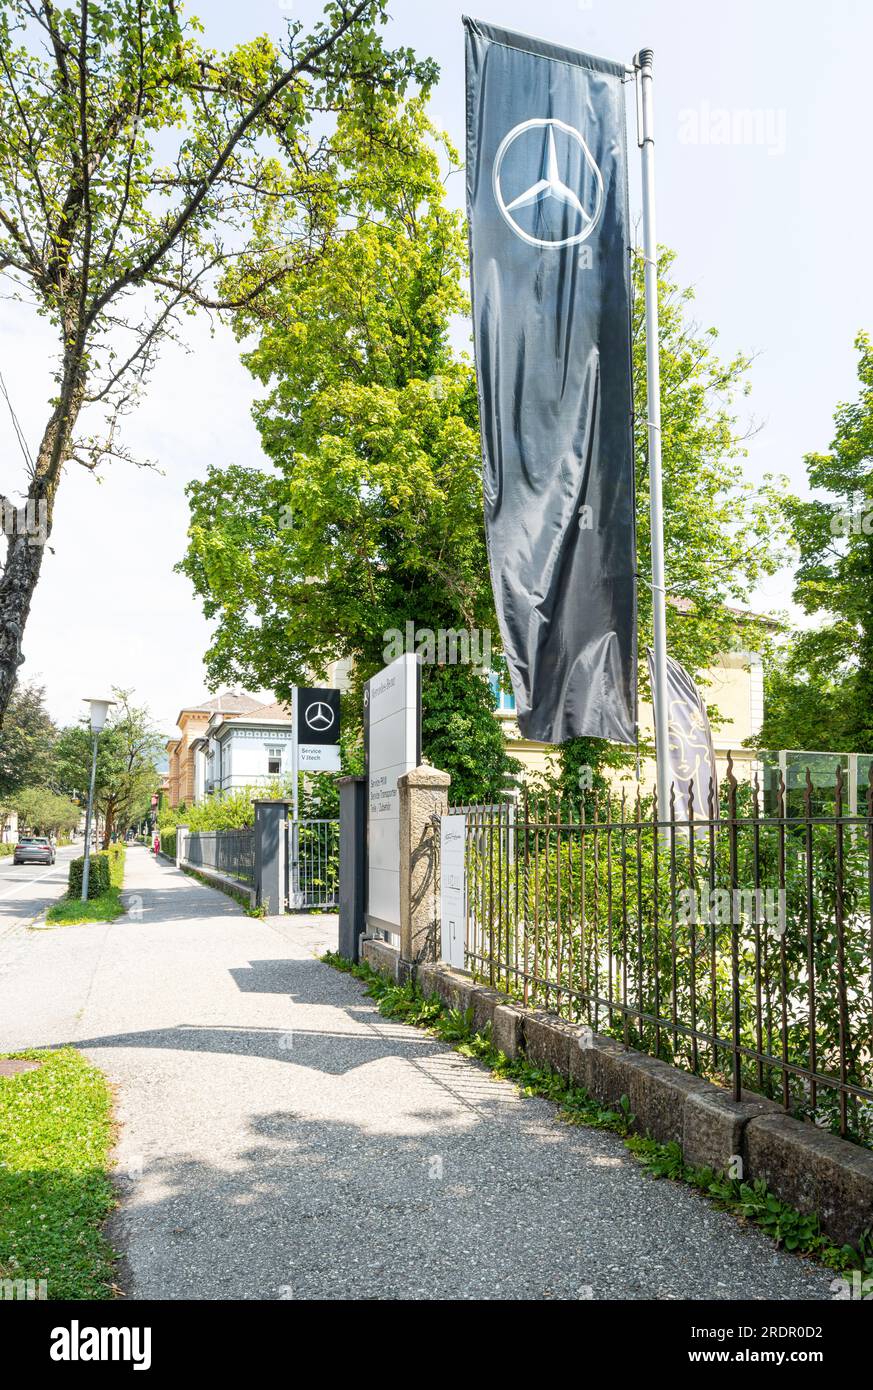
312, 863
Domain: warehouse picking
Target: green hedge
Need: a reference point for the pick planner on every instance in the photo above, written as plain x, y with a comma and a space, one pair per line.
99, 876
6, 849
168, 843
116, 853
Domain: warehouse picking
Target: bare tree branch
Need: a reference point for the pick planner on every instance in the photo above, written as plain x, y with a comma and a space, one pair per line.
184, 216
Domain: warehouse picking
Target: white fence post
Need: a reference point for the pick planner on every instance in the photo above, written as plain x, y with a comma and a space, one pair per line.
453, 889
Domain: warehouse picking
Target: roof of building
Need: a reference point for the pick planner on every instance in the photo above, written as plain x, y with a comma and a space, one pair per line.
743, 615
276, 710
228, 702
231, 702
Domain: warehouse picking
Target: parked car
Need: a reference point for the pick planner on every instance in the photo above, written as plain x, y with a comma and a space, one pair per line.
34, 849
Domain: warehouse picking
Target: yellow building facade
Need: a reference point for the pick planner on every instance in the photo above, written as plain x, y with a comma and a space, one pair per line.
734, 686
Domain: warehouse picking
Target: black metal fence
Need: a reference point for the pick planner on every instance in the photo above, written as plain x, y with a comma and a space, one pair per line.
312, 863
229, 852
736, 945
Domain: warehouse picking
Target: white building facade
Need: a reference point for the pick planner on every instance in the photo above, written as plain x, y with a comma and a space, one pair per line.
243, 751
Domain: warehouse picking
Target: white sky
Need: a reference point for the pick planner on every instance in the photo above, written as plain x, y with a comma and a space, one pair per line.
773, 236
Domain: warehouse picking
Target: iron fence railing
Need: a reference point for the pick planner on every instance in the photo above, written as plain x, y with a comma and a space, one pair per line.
736, 945
312, 861
230, 852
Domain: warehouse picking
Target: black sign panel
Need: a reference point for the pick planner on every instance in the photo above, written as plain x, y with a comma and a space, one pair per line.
317, 716
550, 270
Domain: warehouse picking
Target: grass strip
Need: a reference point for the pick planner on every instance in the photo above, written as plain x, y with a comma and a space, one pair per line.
71, 912
56, 1134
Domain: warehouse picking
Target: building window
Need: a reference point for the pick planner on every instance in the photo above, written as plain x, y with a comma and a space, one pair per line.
504, 700
274, 762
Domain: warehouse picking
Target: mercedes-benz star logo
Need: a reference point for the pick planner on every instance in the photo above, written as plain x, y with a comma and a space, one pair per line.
318, 716
550, 185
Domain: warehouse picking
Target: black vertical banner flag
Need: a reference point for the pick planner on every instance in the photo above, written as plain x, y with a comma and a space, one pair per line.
550, 268
691, 752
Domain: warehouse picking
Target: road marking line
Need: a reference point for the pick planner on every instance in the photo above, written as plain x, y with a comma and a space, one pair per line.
27, 882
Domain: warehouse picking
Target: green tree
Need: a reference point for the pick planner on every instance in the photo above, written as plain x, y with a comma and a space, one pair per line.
461, 735
43, 812
820, 693
718, 526
373, 516
134, 161
26, 739
803, 708
128, 753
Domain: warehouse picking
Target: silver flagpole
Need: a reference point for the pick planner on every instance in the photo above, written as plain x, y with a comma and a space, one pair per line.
295, 759
646, 141
294, 867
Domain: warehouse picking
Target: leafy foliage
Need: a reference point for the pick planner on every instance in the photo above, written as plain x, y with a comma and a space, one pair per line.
128, 752
136, 167
72, 912
374, 515
819, 692
99, 876
168, 840
26, 735
105, 878
44, 813
460, 734
604, 911
232, 810
718, 526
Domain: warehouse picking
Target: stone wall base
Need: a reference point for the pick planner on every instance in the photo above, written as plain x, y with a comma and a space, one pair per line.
220, 881
381, 955
810, 1169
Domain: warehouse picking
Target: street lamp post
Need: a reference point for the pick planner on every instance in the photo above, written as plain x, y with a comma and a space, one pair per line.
99, 711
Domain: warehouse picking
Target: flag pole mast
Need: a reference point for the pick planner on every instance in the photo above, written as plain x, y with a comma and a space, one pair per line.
646, 141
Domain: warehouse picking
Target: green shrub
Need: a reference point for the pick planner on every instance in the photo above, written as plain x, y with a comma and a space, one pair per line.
6, 849
168, 843
115, 852
99, 876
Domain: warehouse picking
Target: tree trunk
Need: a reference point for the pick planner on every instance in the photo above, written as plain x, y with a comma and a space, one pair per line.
21, 572
24, 552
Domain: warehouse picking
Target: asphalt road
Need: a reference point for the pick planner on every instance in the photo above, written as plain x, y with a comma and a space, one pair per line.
26, 889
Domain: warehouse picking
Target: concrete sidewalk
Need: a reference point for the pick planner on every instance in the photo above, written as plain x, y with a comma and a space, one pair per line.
280, 1140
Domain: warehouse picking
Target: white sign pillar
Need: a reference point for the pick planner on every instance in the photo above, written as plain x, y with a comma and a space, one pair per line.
453, 889
392, 744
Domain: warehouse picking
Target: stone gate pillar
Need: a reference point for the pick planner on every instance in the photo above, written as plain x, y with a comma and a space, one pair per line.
423, 794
